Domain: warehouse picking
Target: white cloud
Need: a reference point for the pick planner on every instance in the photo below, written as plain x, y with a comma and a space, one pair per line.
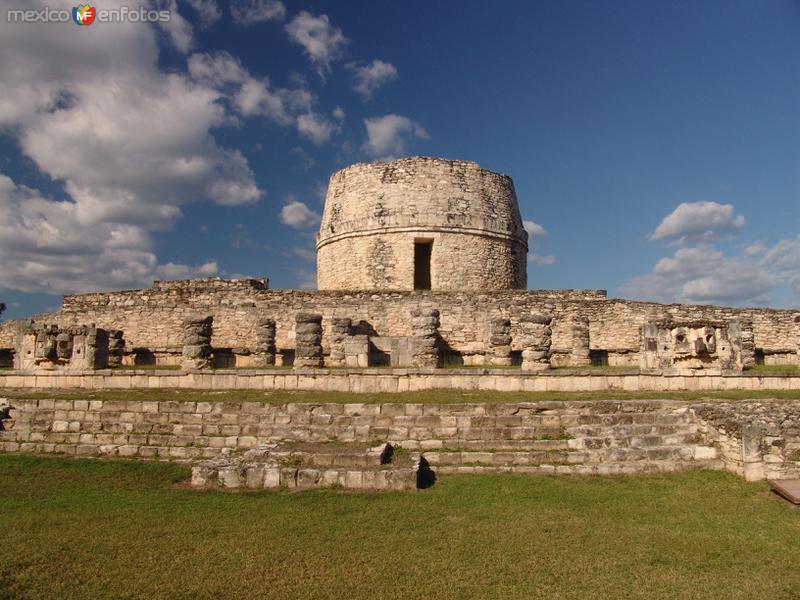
249, 96
535, 233
534, 229
316, 127
322, 42
180, 271
129, 143
702, 273
207, 11
388, 136
542, 260
47, 246
178, 29
694, 222
250, 12
296, 214
368, 78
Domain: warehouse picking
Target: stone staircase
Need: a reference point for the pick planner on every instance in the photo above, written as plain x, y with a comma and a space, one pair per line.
612, 438
308, 465
615, 440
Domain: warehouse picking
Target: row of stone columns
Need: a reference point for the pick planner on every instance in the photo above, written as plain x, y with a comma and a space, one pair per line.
535, 336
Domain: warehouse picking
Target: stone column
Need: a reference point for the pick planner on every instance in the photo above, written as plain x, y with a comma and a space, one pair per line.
536, 340
797, 336
425, 345
579, 353
197, 342
340, 330
116, 347
96, 356
741, 333
500, 343
264, 351
308, 340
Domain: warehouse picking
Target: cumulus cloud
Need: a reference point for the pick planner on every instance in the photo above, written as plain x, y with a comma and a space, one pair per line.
703, 273
369, 77
208, 11
130, 145
322, 42
172, 270
388, 136
316, 127
535, 233
298, 215
537, 259
250, 12
693, 222
178, 30
249, 96
49, 246
534, 229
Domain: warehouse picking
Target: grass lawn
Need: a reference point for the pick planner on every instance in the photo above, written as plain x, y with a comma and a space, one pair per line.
427, 396
102, 529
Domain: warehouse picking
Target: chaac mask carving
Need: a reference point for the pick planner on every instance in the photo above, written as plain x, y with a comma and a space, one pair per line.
689, 346
73, 347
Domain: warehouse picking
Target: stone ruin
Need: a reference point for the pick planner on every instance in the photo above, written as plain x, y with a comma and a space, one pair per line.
536, 335
197, 343
697, 345
398, 238
308, 340
72, 347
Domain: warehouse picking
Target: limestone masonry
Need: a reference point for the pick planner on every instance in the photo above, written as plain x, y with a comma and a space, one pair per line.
421, 268
421, 223
421, 263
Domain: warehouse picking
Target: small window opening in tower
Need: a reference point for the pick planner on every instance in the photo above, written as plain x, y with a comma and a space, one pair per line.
422, 264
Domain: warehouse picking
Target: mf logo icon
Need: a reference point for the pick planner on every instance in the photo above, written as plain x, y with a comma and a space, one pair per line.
84, 14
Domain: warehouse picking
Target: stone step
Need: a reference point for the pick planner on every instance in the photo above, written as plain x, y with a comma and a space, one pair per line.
304, 465
628, 430
624, 468
636, 441
486, 444
263, 476
564, 457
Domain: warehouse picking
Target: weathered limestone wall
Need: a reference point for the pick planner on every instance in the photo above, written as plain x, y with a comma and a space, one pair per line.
385, 261
372, 380
374, 213
630, 436
152, 318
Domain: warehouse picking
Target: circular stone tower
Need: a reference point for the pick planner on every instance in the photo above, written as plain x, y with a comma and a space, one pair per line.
421, 223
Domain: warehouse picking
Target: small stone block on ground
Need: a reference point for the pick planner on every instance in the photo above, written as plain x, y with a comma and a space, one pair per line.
788, 488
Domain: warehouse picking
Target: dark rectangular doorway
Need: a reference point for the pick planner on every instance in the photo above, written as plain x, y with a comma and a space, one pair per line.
422, 264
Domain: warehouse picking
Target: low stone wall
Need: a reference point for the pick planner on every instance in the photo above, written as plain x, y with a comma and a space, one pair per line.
630, 436
397, 380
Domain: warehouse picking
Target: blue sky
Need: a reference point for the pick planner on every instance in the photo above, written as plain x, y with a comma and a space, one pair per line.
654, 145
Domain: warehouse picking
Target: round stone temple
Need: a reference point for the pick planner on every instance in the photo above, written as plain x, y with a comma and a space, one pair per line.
421, 224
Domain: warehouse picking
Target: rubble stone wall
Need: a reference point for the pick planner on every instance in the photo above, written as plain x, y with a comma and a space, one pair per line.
152, 318
196, 430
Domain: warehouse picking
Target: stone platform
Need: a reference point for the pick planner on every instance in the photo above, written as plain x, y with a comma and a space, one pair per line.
392, 380
755, 439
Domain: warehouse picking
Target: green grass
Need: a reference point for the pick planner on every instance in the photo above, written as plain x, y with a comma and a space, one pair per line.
792, 369
427, 396
113, 529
